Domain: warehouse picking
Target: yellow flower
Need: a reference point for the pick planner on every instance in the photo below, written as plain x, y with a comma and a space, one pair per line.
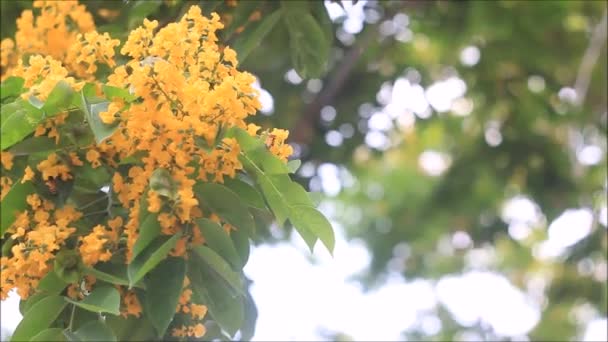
53, 168
28, 175
93, 157
6, 159
154, 201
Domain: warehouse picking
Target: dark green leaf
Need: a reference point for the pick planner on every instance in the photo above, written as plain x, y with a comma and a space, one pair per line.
218, 240
35, 145
241, 243
220, 267
131, 328
95, 331
52, 284
39, 317
164, 286
150, 257
241, 16
26, 305
108, 272
309, 46
14, 202
251, 38
225, 203
149, 229
52, 334
103, 298
141, 10
247, 192
224, 307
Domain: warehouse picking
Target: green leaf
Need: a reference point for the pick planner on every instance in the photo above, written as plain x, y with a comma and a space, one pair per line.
131, 328
111, 92
319, 11
10, 87
68, 265
39, 317
150, 257
101, 131
241, 243
251, 38
286, 198
52, 284
110, 273
162, 182
14, 202
309, 46
141, 10
251, 317
308, 218
149, 229
35, 145
240, 16
19, 119
26, 305
164, 286
51, 334
103, 298
225, 203
224, 307
293, 165
220, 267
95, 331
219, 241
274, 197
247, 192
58, 100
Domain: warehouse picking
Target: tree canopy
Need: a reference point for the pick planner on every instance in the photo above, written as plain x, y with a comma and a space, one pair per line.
450, 137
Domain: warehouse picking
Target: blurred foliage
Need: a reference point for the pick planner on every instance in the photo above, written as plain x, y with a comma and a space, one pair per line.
519, 138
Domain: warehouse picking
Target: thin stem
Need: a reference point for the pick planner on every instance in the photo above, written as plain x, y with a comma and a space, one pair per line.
91, 203
72, 317
597, 41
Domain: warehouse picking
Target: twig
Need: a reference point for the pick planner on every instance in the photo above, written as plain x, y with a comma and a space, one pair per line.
583, 78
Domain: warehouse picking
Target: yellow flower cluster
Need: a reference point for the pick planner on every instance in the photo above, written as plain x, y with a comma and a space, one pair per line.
189, 90
50, 33
6, 161
37, 234
194, 313
100, 243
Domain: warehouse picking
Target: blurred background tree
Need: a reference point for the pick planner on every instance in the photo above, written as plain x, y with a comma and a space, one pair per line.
458, 140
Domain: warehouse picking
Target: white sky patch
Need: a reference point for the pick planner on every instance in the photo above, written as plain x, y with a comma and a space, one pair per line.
566, 230
470, 55
521, 214
570, 227
603, 216
590, 155
596, 330
434, 163
441, 94
319, 297
266, 99
488, 297
9, 314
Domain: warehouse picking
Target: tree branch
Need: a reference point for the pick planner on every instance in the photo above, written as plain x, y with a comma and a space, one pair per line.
597, 41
